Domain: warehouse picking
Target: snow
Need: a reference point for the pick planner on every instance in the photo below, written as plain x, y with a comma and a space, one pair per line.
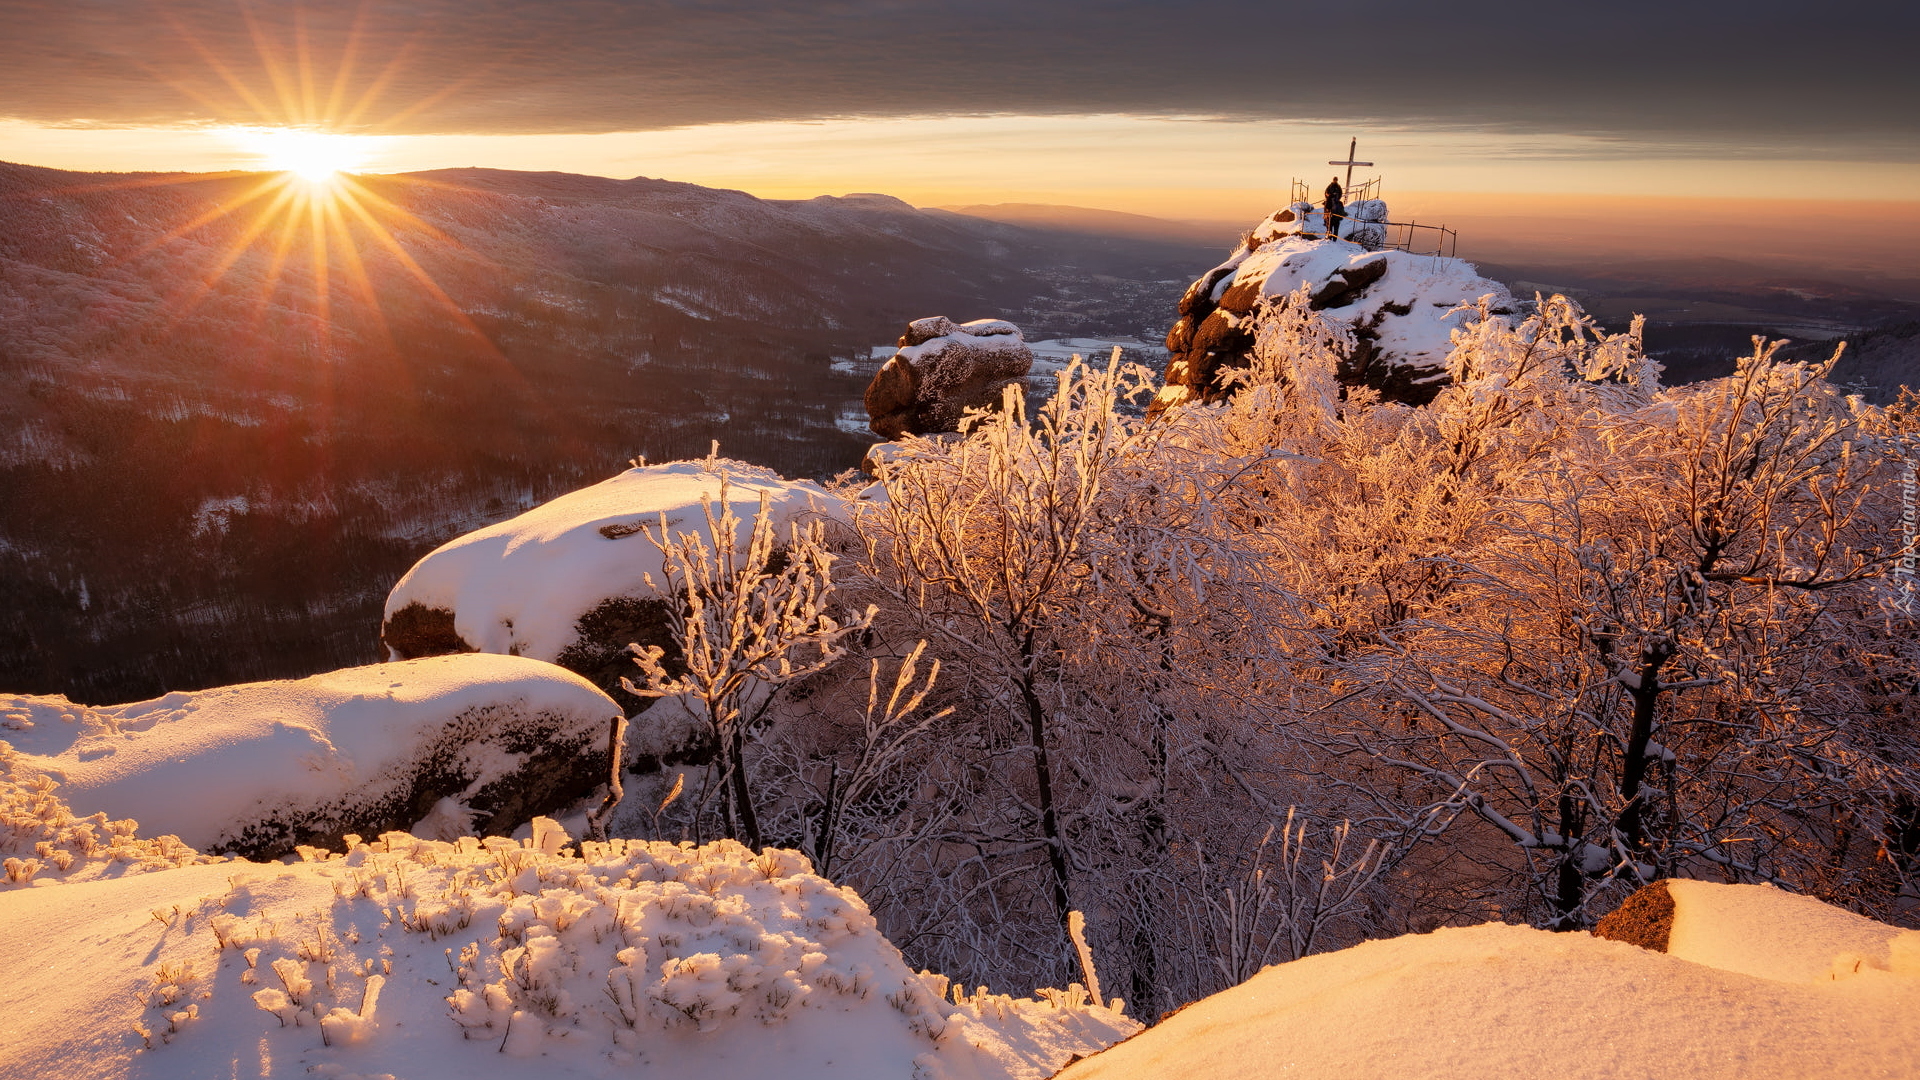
500, 959
1054, 354
1772, 934
520, 586
1511, 1001
985, 335
205, 765
852, 419
1428, 288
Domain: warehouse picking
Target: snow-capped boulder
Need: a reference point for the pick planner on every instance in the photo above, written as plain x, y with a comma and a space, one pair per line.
500, 959
460, 743
1401, 307
942, 370
1511, 1001
567, 582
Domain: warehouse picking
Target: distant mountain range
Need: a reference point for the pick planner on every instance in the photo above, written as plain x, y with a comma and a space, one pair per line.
222, 440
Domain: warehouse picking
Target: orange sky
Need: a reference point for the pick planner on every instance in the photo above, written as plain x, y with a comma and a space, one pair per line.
1182, 168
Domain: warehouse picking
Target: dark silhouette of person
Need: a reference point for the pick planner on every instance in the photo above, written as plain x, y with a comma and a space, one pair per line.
1334, 209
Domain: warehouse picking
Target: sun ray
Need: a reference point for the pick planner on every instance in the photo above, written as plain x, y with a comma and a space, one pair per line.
303, 51
283, 87
312, 126
220, 68
343, 72
267, 186
186, 302
356, 267
317, 258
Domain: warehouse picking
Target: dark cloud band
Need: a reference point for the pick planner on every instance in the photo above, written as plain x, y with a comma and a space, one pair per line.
1758, 76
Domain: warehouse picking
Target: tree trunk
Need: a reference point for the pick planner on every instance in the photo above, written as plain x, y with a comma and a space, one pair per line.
1646, 697
742, 791
1043, 779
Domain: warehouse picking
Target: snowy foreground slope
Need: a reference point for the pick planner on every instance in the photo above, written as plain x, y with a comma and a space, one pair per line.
427, 960
1756, 983
471, 741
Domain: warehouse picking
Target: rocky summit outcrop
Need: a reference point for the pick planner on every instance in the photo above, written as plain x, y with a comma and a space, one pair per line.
942, 370
1401, 308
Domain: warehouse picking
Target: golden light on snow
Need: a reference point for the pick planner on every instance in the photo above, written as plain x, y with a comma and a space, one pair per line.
318, 157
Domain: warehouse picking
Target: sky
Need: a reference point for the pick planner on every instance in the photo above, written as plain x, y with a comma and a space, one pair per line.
1193, 110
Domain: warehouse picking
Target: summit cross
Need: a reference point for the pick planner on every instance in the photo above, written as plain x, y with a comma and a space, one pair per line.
1350, 162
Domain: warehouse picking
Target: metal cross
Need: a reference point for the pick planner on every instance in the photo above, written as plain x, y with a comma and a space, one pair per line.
1350, 163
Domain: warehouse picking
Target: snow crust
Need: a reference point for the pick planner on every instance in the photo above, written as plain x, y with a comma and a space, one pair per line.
1511, 1001
201, 766
1413, 307
1773, 934
501, 959
520, 586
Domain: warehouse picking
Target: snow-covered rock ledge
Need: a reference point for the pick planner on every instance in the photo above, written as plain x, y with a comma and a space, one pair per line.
453, 744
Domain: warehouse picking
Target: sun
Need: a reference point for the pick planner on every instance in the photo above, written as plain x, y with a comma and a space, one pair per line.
318, 157
310, 202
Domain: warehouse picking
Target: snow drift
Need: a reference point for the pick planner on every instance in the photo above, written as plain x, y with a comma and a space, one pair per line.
506, 959
1757, 982
465, 742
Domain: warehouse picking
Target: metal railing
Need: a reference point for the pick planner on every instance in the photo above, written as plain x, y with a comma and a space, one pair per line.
1408, 236
1369, 189
1419, 239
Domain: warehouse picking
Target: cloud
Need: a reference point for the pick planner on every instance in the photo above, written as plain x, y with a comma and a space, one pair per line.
1761, 77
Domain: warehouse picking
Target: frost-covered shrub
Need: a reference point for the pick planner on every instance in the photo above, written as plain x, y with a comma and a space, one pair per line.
567, 957
41, 837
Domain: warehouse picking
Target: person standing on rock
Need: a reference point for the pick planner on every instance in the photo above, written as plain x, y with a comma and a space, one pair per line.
1334, 209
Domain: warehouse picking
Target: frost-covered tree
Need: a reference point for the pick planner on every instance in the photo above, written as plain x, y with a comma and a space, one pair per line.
748, 620
1618, 628
1106, 649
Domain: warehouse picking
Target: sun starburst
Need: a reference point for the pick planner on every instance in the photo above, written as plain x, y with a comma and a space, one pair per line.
311, 132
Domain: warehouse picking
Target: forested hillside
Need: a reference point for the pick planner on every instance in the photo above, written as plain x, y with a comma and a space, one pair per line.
230, 420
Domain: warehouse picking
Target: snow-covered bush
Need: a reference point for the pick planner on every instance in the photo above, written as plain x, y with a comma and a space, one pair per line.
438, 960
1080, 580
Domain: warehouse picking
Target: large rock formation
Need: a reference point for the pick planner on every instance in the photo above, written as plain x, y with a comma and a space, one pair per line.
942, 370
455, 744
1400, 306
567, 582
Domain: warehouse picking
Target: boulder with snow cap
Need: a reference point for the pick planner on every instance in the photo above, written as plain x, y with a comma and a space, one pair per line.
452, 743
942, 370
574, 581
1401, 308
